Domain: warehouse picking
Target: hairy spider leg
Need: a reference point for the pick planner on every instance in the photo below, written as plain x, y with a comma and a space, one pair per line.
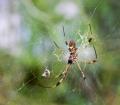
63, 74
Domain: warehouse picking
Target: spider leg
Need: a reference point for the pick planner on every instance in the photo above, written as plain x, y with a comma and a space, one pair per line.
66, 42
63, 74
95, 51
90, 29
90, 37
81, 70
64, 31
56, 45
60, 75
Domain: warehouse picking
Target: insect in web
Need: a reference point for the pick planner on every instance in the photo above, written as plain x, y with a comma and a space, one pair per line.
86, 53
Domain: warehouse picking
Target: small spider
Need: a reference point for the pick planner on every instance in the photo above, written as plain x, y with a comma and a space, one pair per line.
46, 73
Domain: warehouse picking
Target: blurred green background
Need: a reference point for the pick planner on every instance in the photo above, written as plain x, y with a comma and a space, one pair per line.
27, 31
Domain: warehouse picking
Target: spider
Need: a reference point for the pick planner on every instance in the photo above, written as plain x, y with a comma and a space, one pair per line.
86, 53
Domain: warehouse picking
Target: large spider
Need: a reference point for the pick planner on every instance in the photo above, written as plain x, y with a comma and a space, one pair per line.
86, 53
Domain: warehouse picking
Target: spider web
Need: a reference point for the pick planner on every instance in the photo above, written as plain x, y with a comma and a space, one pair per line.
58, 52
